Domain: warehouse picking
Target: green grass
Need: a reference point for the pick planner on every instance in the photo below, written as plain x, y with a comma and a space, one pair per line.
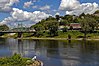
74, 34
15, 60
61, 34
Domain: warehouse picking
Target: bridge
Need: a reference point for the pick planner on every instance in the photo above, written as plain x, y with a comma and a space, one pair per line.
20, 33
20, 30
17, 31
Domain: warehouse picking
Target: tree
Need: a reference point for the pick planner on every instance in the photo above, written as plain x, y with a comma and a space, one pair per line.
85, 26
4, 28
92, 24
52, 18
69, 18
57, 17
39, 30
65, 29
52, 26
71, 28
97, 12
93, 21
96, 20
63, 22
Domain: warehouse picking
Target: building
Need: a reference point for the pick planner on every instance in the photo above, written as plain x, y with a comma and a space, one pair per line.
75, 26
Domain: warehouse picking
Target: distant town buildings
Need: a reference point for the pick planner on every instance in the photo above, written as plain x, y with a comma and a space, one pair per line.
75, 26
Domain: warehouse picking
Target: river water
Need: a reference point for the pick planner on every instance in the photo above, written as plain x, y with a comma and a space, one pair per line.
54, 52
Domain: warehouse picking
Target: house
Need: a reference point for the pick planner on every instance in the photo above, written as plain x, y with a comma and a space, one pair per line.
75, 26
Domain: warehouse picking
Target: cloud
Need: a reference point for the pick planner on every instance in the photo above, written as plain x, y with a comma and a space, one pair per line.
5, 5
27, 4
35, 0
23, 16
43, 8
34, 7
57, 13
46, 7
69, 4
73, 7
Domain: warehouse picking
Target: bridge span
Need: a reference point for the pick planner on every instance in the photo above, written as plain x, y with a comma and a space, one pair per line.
18, 32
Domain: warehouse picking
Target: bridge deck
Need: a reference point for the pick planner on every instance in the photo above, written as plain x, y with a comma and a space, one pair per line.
17, 31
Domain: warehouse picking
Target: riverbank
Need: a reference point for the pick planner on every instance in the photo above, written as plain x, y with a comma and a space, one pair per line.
56, 38
75, 35
17, 60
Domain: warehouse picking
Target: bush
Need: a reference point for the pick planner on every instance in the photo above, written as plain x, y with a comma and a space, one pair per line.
15, 60
65, 29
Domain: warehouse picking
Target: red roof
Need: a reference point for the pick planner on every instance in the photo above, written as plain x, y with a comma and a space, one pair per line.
75, 25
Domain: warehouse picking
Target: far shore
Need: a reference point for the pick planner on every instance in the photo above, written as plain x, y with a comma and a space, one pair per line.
52, 38
35, 38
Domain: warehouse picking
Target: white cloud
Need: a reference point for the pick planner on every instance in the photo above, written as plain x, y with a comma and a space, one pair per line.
54, 10
57, 13
5, 5
35, 0
69, 4
19, 15
34, 6
73, 7
27, 4
46, 7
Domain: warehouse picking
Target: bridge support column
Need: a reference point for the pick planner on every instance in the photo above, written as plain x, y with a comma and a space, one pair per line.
20, 35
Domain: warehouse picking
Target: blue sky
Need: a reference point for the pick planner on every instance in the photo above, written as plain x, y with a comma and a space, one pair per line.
46, 6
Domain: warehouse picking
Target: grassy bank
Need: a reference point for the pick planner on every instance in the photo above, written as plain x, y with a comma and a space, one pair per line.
61, 35
17, 60
64, 35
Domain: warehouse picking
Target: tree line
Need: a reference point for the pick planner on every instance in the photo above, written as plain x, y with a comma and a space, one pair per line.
50, 25
88, 22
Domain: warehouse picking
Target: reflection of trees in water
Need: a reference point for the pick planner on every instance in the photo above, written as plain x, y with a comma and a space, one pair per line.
2, 41
52, 49
70, 44
89, 46
20, 47
26, 47
39, 44
88, 52
40, 49
23, 47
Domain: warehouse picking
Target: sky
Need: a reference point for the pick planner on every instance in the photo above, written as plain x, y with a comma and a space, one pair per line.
29, 12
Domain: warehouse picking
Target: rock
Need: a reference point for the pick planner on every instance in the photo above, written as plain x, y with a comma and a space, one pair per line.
36, 63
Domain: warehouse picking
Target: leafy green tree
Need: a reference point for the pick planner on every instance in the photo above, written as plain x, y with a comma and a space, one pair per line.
71, 28
85, 26
69, 18
39, 30
65, 29
92, 24
4, 28
97, 12
76, 20
93, 21
51, 18
57, 17
52, 26
63, 22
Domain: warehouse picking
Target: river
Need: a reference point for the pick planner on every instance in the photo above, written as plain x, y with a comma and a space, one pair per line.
54, 52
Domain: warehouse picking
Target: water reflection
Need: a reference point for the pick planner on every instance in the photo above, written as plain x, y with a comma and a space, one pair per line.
54, 53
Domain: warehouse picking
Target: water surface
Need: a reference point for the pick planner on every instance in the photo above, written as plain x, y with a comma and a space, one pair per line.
54, 52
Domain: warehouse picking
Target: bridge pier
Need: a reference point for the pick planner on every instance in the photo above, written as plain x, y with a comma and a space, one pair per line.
20, 35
